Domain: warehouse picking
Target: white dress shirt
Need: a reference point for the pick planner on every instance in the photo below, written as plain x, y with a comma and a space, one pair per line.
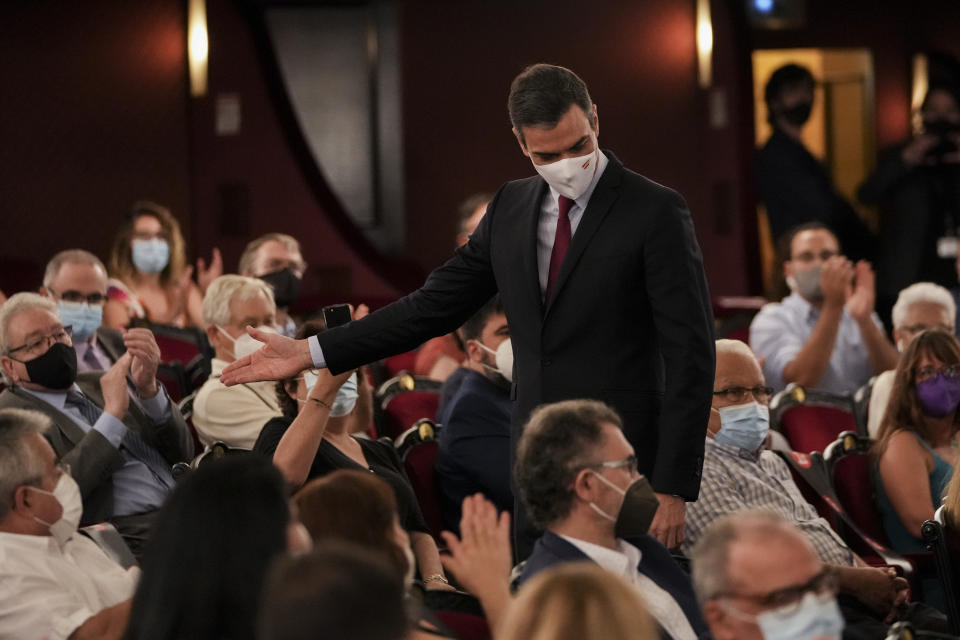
550, 213
46, 592
88, 353
546, 232
623, 561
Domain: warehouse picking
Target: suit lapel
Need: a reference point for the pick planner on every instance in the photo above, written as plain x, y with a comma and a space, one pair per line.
604, 195
66, 425
531, 206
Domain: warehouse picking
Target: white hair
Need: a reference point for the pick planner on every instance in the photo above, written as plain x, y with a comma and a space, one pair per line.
923, 292
734, 347
216, 302
72, 256
19, 462
21, 303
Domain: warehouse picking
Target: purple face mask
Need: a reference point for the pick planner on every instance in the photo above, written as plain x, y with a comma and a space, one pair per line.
939, 396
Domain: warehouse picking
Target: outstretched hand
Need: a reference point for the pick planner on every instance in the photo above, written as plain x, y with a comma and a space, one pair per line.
280, 357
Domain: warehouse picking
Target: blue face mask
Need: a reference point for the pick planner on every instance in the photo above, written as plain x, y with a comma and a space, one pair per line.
346, 398
817, 616
744, 425
85, 319
151, 256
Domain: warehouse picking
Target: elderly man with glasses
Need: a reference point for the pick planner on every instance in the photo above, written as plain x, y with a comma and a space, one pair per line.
120, 442
77, 281
741, 475
577, 477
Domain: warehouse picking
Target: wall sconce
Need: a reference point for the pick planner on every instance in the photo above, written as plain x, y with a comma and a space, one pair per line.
198, 46
921, 84
704, 44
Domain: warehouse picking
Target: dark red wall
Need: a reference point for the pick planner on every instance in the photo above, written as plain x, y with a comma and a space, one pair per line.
95, 114
638, 58
92, 116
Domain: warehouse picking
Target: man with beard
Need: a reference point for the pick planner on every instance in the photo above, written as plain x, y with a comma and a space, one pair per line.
793, 185
474, 443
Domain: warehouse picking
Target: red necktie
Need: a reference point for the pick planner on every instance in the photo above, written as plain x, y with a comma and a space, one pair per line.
561, 242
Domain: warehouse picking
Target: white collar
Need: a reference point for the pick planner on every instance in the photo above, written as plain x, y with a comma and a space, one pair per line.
623, 560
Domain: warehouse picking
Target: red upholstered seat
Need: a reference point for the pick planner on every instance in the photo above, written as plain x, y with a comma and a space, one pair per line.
811, 419
419, 461
404, 409
812, 428
853, 482
400, 362
465, 626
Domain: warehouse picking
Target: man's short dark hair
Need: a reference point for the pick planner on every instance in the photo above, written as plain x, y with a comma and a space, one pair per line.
328, 593
785, 244
473, 328
542, 94
787, 76
558, 441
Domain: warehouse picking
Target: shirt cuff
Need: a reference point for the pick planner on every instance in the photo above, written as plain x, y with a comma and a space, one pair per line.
110, 428
157, 408
63, 626
316, 353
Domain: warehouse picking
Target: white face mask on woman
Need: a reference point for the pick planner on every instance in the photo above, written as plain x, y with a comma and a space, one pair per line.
67, 493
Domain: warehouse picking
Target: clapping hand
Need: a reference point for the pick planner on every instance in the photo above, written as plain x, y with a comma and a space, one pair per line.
207, 275
145, 358
861, 294
113, 385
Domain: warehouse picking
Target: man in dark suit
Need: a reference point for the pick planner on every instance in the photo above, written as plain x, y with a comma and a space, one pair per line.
602, 283
473, 453
77, 281
120, 444
573, 467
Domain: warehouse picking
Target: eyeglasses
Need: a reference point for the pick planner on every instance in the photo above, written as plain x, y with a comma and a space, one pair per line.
92, 299
739, 394
629, 464
810, 256
147, 235
928, 372
788, 599
39, 346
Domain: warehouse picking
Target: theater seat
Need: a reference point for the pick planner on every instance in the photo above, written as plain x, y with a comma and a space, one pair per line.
174, 379
460, 612
393, 414
394, 365
186, 410
861, 406
810, 419
944, 543
418, 450
851, 474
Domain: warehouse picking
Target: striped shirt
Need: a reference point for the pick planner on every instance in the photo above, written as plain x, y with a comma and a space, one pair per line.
736, 480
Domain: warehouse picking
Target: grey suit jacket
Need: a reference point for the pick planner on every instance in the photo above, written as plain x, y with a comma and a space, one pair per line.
111, 341
91, 457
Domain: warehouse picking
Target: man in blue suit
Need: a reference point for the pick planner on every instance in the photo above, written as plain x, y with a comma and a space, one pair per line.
474, 444
573, 469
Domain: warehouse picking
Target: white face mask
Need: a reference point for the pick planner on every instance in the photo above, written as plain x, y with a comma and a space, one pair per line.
245, 344
504, 358
67, 493
347, 394
570, 176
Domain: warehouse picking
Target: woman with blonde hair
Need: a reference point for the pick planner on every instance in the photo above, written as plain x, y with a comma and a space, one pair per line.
150, 277
916, 447
578, 600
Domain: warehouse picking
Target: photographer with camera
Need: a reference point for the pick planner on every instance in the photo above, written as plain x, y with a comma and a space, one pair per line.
916, 186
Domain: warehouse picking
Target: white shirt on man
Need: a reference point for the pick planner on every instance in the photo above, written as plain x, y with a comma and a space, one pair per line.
48, 592
623, 561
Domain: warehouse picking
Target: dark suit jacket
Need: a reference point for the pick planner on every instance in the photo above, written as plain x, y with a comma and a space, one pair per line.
111, 341
630, 321
91, 457
655, 563
473, 453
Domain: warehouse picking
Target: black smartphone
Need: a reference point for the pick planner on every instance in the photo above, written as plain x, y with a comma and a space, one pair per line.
335, 315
